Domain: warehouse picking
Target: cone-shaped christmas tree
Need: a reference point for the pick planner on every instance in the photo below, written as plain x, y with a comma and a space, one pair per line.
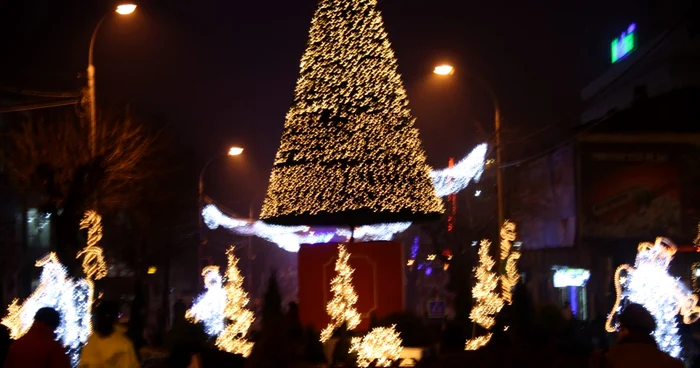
349, 154
232, 339
342, 307
488, 300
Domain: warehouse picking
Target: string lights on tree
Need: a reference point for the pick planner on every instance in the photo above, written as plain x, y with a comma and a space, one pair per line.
485, 292
350, 153
509, 261
239, 319
648, 283
381, 347
341, 308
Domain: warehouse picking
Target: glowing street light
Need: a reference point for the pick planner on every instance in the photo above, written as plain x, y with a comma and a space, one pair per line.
125, 9
235, 151
444, 70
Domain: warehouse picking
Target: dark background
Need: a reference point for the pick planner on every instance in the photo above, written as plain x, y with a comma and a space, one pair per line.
222, 72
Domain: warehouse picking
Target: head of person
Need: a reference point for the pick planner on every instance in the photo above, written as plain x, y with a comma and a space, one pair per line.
105, 314
48, 317
636, 320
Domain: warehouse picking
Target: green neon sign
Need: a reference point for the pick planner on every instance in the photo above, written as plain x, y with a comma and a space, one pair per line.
623, 45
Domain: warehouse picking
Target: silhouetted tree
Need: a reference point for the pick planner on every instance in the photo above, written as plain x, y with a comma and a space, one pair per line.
272, 347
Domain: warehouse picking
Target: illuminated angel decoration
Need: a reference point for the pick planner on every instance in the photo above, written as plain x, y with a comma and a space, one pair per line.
209, 307
648, 283
56, 290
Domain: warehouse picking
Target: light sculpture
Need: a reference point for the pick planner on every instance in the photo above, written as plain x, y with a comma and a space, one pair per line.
648, 283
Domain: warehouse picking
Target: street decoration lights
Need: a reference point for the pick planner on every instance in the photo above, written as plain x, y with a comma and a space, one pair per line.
648, 283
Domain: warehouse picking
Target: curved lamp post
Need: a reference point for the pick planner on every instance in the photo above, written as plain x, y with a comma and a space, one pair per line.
123, 9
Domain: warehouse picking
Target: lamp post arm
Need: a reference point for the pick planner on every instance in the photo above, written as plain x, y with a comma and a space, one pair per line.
94, 36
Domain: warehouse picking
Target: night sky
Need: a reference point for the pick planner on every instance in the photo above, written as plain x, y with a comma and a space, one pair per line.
223, 72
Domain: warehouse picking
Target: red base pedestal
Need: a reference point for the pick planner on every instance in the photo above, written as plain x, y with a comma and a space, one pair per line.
378, 280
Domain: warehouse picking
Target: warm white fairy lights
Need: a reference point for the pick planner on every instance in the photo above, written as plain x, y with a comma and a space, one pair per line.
56, 290
349, 152
341, 308
94, 264
290, 238
380, 347
488, 301
478, 342
209, 307
648, 283
238, 319
509, 261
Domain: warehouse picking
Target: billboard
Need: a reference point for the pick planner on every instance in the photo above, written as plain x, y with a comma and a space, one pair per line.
631, 191
544, 201
378, 280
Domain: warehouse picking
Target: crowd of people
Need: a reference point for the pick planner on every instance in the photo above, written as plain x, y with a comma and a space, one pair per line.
108, 346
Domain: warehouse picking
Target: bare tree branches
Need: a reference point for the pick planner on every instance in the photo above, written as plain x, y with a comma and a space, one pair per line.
51, 155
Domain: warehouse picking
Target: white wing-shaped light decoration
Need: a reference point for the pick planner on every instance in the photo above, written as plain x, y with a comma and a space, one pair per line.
446, 181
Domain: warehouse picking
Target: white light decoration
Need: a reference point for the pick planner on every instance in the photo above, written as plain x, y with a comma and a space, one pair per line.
342, 307
488, 301
456, 178
70, 298
381, 346
509, 260
209, 307
648, 283
238, 319
446, 181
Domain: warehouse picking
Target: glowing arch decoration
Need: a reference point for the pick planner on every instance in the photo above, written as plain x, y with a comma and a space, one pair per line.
56, 290
648, 283
73, 299
446, 181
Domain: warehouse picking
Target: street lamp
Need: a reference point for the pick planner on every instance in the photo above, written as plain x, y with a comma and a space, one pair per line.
233, 151
123, 9
445, 70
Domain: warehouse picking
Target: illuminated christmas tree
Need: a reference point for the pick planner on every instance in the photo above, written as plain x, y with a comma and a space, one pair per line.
349, 153
648, 283
239, 319
488, 300
342, 307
